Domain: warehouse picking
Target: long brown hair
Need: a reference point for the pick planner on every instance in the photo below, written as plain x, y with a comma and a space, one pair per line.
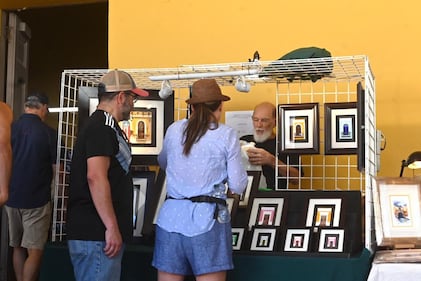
199, 123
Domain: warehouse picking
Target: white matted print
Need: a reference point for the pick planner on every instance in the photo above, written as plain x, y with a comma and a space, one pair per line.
297, 240
331, 240
237, 237
318, 206
266, 212
263, 239
400, 208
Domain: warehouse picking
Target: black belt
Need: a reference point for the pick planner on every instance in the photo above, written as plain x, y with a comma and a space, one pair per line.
203, 199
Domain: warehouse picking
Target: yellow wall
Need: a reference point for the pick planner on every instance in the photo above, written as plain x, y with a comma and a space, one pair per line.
169, 33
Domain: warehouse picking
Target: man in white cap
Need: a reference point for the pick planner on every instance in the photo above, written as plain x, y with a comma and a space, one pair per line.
99, 213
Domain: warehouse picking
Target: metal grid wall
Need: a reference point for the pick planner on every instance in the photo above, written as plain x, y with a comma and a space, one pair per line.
291, 80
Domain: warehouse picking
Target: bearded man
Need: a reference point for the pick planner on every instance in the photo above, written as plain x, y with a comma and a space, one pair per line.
264, 123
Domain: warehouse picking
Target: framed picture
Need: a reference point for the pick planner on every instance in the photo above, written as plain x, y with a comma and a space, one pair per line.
324, 212
361, 127
143, 183
263, 239
146, 127
397, 210
299, 128
297, 240
153, 203
341, 128
232, 204
87, 103
237, 238
252, 187
266, 212
331, 240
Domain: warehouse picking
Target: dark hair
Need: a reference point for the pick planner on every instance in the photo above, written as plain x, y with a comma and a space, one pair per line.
199, 123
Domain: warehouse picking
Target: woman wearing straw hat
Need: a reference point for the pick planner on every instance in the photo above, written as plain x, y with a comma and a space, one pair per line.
200, 156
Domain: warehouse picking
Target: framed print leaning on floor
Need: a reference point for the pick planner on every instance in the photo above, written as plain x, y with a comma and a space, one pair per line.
299, 128
397, 210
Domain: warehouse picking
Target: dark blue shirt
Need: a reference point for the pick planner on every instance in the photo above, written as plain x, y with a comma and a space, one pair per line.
34, 146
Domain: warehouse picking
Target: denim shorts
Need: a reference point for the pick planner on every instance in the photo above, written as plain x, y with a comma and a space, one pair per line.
205, 253
90, 262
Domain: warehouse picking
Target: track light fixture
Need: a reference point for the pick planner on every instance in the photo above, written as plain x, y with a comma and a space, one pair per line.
241, 85
166, 89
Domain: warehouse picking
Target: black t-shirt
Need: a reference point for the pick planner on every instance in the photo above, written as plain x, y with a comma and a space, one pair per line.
269, 172
99, 137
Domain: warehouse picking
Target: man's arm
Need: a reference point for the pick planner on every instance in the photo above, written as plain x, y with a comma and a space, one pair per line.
6, 118
100, 189
259, 156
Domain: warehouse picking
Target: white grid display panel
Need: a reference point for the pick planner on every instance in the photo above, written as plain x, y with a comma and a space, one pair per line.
323, 172
338, 84
67, 128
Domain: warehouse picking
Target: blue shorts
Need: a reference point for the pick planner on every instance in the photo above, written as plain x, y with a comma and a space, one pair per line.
205, 253
90, 262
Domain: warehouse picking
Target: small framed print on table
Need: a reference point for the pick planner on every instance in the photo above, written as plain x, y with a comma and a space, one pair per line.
297, 240
341, 128
397, 211
324, 212
299, 128
331, 240
266, 212
263, 239
251, 188
143, 183
237, 238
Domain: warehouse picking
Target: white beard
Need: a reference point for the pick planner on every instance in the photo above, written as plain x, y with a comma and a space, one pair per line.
262, 137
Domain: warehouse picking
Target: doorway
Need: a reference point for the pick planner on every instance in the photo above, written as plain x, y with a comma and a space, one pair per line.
66, 37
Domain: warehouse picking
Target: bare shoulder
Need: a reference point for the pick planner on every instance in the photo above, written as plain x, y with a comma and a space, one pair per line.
5, 114
6, 118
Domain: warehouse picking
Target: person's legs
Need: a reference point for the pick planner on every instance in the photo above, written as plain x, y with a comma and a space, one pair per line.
214, 276
90, 262
32, 265
19, 257
165, 276
36, 224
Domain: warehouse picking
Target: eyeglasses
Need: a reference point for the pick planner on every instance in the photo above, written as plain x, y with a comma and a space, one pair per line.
134, 96
263, 120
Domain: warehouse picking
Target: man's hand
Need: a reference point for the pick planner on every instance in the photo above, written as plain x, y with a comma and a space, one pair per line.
113, 242
259, 156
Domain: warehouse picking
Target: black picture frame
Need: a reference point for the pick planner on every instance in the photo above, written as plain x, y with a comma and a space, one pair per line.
341, 128
331, 241
251, 188
299, 128
162, 115
361, 127
143, 186
263, 238
157, 196
267, 209
237, 238
297, 240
